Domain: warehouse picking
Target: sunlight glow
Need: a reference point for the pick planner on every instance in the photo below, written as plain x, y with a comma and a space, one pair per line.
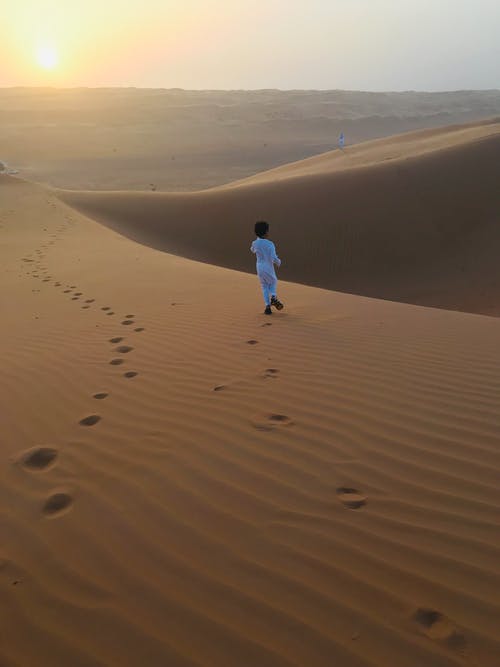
46, 57
200, 44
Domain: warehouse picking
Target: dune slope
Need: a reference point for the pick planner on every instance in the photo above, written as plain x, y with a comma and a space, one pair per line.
173, 140
414, 218
182, 484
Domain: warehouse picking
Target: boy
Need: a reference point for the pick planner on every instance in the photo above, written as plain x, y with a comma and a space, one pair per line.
266, 259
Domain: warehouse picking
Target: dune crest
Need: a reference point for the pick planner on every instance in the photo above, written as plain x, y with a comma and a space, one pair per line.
182, 140
411, 218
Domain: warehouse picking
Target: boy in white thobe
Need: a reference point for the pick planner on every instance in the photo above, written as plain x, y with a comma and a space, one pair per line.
265, 251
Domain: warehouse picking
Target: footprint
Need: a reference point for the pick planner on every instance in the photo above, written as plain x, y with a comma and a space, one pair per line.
78, 293
129, 316
38, 458
271, 373
110, 313
90, 420
139, 329
89, 300
57, 503
351, 498
116, 362
75, 298
66, 291
123, 349
219, 387
130, 374
270, 422
117, 339
126, 322
267, 324
106, 308
10, 572
100, 396
252, 342
282, 419
84, 307
437, 626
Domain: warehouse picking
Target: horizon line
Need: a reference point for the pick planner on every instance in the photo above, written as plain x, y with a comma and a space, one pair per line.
257, 90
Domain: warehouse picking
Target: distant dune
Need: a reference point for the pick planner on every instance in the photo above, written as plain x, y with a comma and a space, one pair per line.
186, 140
412, 218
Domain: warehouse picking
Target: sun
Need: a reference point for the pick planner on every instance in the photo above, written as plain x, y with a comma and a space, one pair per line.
47, 57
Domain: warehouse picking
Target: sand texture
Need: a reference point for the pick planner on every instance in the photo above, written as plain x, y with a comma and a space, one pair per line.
185, 482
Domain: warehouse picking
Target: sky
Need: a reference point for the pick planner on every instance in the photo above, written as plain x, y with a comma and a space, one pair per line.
236, 44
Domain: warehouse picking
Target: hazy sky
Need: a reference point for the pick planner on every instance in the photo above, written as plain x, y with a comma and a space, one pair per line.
352, 44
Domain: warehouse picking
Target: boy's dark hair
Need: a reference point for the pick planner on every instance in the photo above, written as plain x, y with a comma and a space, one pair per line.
261, 228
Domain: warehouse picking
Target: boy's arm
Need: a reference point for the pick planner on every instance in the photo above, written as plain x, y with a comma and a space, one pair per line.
276, 259
252, 247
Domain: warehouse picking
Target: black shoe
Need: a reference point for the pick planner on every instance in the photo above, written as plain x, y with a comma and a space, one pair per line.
268, 311
276, 303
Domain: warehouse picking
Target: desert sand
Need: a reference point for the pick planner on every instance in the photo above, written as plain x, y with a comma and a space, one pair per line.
185, 140
185, 482
412, 218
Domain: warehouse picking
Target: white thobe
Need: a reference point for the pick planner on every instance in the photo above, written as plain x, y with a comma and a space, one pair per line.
266, 260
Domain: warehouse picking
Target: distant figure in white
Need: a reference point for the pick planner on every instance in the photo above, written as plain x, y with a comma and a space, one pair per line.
341, 141
5, 169
266, 260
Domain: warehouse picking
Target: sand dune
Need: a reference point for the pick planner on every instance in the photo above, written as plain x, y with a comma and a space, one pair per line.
412, 218
182, 140
184, 485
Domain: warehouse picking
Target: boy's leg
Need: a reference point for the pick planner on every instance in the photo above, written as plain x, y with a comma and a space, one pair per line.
273, 288
267, 295
265, 291
274, 299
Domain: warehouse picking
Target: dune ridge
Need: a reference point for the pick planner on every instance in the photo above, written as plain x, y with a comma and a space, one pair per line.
321, 491
181, 140
412, 218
